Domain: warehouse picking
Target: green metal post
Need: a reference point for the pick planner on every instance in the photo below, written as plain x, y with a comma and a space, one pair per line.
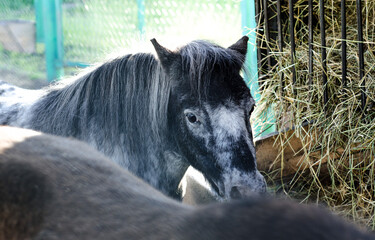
249, 26
249, 29
59, 45
49, 27
39, 21
141, 18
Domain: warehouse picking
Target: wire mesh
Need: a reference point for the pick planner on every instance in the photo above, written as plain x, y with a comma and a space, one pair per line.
17, 66
93, 29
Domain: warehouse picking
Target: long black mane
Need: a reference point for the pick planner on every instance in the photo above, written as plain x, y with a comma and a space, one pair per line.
200, 59
118, 100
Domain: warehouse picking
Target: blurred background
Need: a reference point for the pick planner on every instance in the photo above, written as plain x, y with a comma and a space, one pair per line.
43, 40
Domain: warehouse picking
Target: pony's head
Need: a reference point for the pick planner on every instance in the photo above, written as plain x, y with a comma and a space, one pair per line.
210, 107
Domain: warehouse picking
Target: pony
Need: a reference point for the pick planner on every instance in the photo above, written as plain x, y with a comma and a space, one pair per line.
58, 188
155, 115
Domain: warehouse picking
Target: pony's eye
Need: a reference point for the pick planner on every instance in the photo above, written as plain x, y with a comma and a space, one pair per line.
191, 118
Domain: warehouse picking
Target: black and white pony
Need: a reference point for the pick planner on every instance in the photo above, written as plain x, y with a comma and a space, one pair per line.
155, 116
58, 188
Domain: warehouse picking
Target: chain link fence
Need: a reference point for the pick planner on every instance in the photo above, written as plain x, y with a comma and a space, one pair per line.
92, 29
17, 65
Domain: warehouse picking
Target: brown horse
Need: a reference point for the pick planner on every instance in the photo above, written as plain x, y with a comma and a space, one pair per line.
59, 188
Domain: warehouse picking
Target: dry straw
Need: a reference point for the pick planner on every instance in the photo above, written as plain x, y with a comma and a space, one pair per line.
338, 164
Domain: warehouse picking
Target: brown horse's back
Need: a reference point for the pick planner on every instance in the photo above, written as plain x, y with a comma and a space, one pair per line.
59, 188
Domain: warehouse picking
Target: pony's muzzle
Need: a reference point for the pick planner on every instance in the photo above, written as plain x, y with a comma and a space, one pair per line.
258, 186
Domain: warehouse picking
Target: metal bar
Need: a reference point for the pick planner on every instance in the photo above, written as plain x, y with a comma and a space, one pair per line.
267, 32
324, 53
141, 18
343, 43
53, 38
361, 57
280, 38
292, 40
249, 26
59, 60
258, 18
76, 64
311, 39
39, 20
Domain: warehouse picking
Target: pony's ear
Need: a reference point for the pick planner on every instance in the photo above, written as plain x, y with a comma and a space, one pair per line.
241, 46
166, 56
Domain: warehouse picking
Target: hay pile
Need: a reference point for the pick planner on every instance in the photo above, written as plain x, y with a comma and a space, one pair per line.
338, 164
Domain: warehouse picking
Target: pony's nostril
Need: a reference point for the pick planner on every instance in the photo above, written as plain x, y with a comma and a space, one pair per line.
235, 193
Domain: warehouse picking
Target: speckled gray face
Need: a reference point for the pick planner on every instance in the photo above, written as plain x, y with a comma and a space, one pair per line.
225, 131
210, 115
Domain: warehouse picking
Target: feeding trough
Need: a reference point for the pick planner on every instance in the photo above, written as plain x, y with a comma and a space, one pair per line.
18, 35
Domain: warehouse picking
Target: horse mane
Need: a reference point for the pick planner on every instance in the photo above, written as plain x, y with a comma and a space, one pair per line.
122, 94
124, 102
200, 59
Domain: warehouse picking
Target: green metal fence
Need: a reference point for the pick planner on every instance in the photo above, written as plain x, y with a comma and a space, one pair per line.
90, 29
73, 33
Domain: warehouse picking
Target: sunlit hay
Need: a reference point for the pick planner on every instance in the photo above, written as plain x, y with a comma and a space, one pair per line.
339, 145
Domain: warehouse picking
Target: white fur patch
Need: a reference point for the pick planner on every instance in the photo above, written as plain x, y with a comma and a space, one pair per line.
14, 98
228, 126
227, 122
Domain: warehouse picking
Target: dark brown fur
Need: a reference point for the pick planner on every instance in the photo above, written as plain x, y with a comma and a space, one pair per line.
22, 198
58, 188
